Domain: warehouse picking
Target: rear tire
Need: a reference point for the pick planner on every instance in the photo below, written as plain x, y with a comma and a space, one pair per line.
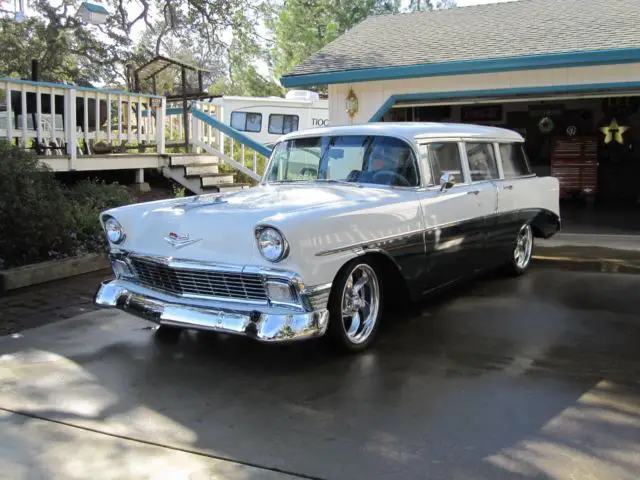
168, 334
522, 251
355, 307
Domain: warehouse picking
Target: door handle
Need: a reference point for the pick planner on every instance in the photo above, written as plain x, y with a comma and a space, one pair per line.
473, 192
508, 187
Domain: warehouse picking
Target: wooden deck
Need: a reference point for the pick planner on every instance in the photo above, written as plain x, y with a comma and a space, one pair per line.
111, 161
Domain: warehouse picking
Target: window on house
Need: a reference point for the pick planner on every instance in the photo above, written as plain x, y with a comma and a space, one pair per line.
514, 160
281, 124
246, 121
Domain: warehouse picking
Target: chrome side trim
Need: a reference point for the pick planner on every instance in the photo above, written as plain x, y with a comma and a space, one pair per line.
366, 243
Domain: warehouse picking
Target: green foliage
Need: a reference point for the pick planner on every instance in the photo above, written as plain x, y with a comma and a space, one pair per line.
40, 218
302, 27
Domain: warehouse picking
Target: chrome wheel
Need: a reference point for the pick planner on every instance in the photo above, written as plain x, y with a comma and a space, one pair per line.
360, 303
524, 247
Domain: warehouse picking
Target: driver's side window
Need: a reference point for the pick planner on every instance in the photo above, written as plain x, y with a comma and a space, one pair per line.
444, 158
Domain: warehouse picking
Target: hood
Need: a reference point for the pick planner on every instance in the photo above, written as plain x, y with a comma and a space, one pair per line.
220, 227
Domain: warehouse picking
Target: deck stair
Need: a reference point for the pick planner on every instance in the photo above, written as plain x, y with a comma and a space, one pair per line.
200, 173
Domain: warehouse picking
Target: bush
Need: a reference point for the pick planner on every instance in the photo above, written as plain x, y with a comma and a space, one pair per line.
41, 219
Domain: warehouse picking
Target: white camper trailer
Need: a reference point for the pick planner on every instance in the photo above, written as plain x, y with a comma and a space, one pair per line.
265, 119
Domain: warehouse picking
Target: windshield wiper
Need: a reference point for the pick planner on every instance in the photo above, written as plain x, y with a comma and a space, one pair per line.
339, 182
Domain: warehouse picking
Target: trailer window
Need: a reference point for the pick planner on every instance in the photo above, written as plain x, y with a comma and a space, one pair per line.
246, 121
514, 160
281, 124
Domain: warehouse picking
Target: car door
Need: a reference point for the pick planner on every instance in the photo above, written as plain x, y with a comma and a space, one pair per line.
514, 187
484, 173
453, 213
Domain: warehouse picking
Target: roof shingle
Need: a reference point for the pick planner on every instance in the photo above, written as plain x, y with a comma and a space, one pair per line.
492, 31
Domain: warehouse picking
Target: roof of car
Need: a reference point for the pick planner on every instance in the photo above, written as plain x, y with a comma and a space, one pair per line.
412, 131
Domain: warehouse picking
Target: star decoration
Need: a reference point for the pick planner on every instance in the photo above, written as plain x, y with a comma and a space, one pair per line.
613, 131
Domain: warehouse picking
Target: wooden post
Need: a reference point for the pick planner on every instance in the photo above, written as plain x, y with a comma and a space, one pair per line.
184, 109
70, 127
10, 117
161, 112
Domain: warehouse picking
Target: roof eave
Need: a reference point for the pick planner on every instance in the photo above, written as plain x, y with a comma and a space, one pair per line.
527, 62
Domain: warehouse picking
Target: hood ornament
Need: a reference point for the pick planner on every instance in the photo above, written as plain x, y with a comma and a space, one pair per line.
177, 240
203, 201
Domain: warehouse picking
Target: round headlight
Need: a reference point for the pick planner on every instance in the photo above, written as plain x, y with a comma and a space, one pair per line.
114, 230
272, 244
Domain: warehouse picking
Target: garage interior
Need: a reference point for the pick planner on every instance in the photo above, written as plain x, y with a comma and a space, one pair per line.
589, 142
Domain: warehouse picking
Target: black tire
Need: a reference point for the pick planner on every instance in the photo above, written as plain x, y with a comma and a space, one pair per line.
168, 334
516, 266
337, 335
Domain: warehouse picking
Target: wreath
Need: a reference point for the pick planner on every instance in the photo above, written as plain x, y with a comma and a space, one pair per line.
545, 125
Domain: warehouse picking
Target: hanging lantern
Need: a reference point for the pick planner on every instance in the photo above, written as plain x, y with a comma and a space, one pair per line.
93, 13
351, 103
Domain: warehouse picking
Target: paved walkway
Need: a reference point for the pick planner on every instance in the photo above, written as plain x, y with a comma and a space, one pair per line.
41, 304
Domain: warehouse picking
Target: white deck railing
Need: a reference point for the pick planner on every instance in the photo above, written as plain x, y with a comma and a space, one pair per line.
73, 120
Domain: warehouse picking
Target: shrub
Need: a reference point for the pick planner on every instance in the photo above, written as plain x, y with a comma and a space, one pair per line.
40, 219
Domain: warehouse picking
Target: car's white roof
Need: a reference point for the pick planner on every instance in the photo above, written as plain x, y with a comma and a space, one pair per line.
413, 130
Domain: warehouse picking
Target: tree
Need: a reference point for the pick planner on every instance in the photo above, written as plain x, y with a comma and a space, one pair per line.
302, 27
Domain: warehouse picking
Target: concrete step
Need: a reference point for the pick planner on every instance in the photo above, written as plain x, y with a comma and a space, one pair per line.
194, 170
193, 159
216, 179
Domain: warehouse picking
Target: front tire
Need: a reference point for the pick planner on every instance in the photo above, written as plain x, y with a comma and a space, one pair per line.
355, 306
522, 251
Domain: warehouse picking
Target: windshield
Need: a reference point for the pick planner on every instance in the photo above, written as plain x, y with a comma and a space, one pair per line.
347, 158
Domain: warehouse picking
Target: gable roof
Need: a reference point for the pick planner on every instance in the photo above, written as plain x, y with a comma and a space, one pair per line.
501, 36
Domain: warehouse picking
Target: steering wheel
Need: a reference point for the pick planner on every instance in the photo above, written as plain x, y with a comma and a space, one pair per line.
402, 181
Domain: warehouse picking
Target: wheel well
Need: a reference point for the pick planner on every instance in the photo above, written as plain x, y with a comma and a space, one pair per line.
394, 284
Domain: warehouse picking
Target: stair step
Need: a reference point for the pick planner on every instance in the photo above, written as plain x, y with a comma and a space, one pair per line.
182, 160
216, 179
194, 170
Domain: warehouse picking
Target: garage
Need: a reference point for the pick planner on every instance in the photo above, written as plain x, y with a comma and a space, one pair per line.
566, 75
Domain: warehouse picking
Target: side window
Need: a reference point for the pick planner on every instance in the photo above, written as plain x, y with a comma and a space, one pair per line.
445, 158
246, 122
514, 160
281, 124
482, 161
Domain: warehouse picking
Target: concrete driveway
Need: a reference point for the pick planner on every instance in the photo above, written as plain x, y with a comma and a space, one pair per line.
532, 377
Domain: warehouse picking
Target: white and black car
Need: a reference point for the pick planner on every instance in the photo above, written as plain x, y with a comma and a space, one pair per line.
345, 220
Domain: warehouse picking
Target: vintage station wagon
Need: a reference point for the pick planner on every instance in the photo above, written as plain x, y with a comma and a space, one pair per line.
345, 221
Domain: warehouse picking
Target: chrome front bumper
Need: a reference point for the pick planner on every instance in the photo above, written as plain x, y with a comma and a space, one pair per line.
264, 323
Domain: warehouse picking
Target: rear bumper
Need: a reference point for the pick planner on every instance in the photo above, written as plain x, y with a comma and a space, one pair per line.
265, 324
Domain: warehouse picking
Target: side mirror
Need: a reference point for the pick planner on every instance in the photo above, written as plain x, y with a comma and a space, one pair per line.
446, 181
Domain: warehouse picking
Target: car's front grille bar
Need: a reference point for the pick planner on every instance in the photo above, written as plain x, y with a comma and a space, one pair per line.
205, 283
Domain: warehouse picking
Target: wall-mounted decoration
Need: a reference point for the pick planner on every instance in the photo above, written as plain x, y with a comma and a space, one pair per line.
572, 130
351, 103
613, 131
546, 125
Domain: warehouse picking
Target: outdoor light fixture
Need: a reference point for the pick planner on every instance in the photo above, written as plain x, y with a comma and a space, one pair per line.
93, 13
352, 103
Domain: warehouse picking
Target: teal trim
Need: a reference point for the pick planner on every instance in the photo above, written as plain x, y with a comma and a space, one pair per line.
170, 111
528, 62
66, 86
92, 7
501, 92
231, 132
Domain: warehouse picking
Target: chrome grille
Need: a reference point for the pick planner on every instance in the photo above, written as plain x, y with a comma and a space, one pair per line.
186, 281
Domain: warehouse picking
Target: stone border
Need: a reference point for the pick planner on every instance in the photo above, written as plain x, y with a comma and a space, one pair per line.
51, 270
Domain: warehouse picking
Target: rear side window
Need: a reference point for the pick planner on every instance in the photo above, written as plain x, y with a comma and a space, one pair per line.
514, 160
482, 162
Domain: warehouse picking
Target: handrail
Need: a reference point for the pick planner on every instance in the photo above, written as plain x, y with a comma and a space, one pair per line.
231, 132
68, 86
